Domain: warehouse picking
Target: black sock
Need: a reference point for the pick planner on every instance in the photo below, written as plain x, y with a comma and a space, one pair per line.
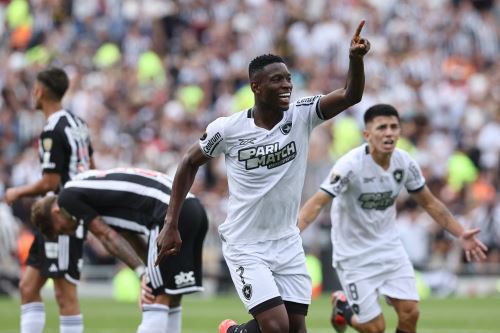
399, 331
346, 311
250, 327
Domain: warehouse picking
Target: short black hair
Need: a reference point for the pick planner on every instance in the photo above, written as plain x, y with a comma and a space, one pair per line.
378, 110
55, 80
40, 215
258, 63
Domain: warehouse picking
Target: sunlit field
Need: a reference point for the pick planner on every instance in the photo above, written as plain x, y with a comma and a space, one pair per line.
452, 315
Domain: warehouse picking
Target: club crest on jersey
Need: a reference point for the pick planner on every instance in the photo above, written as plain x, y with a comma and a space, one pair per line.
286, 127
306, 100
270, 156
398, 175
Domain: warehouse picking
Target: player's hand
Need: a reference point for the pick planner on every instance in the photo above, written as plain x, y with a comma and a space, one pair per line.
359, 46
147, 296
473, 247
169, 242
11, 195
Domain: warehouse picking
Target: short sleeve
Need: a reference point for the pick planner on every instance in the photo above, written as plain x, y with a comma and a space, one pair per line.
338, 180
53, 156
415, 181
308, 109
213, 143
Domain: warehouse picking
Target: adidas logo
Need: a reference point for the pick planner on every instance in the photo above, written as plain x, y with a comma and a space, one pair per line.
53, 268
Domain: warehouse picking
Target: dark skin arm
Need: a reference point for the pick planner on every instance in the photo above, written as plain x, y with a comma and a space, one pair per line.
169, 239
137, 242
340, 99
114, 243
48, 182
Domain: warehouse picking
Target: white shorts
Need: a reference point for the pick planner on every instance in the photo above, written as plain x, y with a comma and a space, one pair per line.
363, 286
269, 269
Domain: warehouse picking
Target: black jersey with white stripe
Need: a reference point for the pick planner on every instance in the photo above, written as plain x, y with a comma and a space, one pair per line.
127, 198
65, 146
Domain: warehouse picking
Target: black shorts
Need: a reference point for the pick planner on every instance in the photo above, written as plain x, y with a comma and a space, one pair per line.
55, 258
182, 273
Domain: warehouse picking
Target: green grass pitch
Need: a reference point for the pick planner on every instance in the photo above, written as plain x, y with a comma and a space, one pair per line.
202, 315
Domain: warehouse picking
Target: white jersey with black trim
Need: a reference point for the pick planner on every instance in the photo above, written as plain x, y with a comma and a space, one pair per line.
265, 170
363, 212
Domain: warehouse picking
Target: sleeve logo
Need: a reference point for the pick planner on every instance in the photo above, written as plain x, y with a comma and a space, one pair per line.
212, 143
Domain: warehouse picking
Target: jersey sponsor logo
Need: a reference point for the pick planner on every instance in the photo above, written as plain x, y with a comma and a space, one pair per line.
184, 279
244, 142
398, 175
47, 144
270, 156
414, 171
378, 201
286, 128
78, 133
342, 182
212, 143
368, 179
204, 136
51, 250
306, 100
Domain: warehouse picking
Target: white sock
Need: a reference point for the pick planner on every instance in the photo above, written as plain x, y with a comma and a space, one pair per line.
154, 319
32, 317
174, 320
71, 324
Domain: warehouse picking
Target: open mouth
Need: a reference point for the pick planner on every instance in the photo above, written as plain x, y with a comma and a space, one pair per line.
285, 97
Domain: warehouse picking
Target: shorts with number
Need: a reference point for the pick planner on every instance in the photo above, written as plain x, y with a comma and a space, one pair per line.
269, 269
363, 286
58, 257
182, 273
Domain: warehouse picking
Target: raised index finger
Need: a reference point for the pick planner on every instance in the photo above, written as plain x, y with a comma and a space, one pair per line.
358, 29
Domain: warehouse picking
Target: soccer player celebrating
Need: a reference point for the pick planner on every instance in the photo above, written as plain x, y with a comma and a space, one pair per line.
65, 150
367, 252
265, 148
134, 202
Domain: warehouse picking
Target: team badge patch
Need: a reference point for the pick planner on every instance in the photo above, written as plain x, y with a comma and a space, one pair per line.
398, 175
247, 291
286, 127
247, 287
334, 178
47, 144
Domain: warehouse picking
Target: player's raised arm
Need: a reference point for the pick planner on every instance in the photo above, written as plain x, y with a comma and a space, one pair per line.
340, 99
169, 240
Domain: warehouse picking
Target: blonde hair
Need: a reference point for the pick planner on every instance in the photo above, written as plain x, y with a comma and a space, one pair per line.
40, 215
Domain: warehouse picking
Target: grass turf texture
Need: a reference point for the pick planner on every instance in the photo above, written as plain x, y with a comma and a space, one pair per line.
452, 315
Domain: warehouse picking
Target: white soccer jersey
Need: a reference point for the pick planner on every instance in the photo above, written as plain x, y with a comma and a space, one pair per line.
363, 211
265, 170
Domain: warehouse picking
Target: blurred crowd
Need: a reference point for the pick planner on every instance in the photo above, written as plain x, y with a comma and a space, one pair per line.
149, 75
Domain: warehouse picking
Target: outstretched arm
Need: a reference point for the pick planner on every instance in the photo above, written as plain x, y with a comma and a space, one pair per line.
116, 245
340, 99
473, 247
169, 240
311, 209
48, 182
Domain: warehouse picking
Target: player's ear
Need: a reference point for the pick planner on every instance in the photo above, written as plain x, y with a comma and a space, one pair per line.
255, 87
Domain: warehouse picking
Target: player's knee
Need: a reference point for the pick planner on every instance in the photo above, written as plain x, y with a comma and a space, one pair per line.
29, 291
274, 325
409, 315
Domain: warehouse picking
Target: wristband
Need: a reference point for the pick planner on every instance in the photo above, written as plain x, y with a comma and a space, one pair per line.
140, 271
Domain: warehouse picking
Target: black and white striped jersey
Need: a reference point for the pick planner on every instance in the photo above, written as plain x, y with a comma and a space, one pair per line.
64, 145
127, 198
